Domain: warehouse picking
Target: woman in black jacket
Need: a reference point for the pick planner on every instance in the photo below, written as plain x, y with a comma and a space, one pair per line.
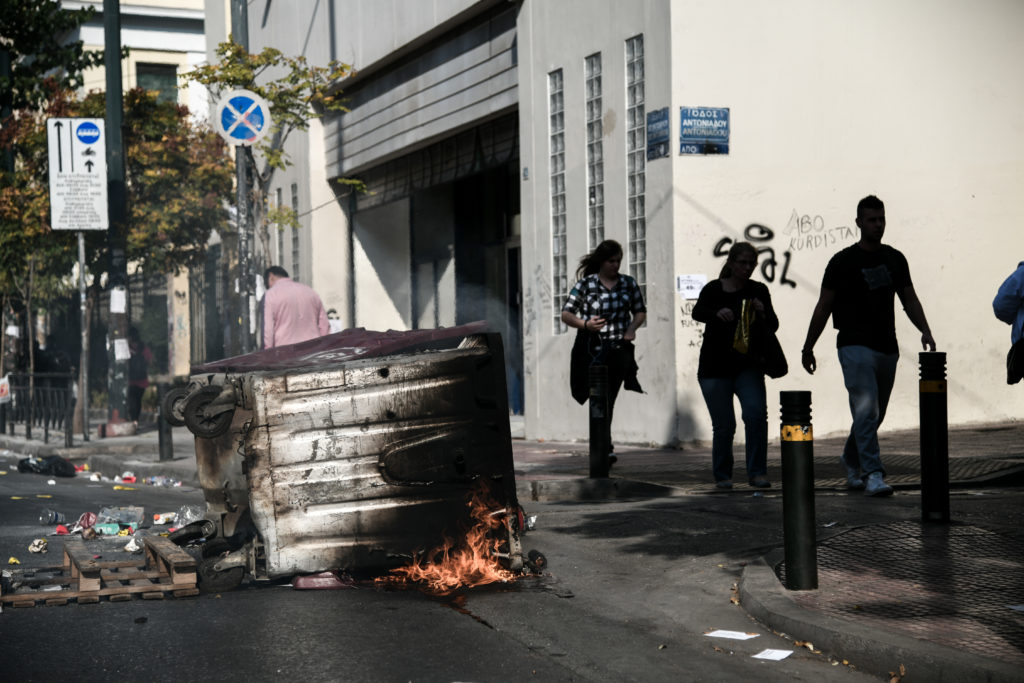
727, 367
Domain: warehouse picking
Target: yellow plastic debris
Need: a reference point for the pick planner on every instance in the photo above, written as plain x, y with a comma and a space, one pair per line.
13, 560
17, 498
43, 495
123, 488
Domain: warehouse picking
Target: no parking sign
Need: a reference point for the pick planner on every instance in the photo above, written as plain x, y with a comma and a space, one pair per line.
243, 117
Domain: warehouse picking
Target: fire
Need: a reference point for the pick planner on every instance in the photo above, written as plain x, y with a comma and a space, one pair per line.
471, 561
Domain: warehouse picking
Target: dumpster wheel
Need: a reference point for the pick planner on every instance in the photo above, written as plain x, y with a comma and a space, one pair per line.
172, 408
212, 581
201, 425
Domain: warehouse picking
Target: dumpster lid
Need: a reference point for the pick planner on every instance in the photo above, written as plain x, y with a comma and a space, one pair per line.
343, 346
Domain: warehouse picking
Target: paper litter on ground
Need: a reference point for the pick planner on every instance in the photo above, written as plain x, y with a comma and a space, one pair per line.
734, 635
774, 655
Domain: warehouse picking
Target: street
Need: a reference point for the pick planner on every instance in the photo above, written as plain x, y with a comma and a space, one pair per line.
632, 587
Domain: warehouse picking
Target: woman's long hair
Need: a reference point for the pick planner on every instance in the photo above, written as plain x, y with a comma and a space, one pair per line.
591, 263
735, 251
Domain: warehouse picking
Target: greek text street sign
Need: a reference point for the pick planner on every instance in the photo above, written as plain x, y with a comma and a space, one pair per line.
243, 117
78, 174
703, 130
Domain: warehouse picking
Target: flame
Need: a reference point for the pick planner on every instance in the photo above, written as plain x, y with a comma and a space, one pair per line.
468, 562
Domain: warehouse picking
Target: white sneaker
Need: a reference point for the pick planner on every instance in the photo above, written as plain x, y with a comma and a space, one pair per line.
876, 486
853, 478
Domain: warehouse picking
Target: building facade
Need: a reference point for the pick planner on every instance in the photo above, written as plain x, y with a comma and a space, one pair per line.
499, 141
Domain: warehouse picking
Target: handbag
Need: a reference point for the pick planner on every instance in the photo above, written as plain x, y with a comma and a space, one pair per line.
753, 337
773, 357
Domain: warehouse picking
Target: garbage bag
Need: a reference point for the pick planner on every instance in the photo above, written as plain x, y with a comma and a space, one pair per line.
53, 465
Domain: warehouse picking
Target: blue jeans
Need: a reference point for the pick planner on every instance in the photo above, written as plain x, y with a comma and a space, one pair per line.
869, 376
748, 386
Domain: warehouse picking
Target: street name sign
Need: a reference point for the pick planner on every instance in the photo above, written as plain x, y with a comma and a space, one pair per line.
243, 117
78, 174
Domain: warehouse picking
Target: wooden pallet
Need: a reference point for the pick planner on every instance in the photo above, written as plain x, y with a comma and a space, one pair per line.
165, 569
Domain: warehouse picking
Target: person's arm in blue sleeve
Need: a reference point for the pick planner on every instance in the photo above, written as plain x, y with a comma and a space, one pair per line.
1010, 297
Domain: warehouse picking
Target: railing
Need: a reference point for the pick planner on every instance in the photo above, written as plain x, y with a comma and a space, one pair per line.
48, 403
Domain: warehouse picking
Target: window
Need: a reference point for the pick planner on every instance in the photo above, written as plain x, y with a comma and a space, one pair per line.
636, 171
556, 170
595, 152
280, 228
295, 234
160, 77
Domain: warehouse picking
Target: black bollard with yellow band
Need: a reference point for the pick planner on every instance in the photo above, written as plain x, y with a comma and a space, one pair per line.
798, 491
934, 438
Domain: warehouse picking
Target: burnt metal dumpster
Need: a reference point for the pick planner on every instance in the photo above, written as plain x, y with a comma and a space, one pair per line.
357, 450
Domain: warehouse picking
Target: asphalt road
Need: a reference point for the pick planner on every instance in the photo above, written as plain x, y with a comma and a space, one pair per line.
630, 591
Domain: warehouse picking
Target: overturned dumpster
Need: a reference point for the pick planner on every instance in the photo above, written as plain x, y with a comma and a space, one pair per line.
357, 450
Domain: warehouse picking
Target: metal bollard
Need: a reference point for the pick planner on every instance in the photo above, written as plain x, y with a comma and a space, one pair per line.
600, 428
798, 491
934, 438
166, 443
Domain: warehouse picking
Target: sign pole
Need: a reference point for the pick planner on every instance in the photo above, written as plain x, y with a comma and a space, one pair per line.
83, 363
117, 354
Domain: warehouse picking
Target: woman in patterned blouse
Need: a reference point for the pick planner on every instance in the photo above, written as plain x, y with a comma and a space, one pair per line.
606, 307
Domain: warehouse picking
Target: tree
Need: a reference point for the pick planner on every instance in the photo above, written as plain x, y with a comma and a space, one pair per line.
297, 93
34, 33
178, 178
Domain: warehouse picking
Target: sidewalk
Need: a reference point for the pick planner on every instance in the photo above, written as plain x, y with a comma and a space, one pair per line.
936, 598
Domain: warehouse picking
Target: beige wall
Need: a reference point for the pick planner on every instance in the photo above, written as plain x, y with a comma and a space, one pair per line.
917, 102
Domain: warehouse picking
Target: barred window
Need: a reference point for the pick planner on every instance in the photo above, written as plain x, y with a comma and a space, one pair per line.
556, 170
595, 153
280, 229
295, 235
636, 171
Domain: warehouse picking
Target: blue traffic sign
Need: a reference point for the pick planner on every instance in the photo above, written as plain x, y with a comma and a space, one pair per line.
243, 117
88, 132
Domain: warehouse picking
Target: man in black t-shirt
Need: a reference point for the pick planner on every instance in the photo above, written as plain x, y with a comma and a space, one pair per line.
858, 291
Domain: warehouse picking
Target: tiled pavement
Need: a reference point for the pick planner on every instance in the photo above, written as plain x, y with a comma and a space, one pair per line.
955, 586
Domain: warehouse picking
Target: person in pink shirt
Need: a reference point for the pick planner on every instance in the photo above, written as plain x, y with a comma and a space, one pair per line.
292, 312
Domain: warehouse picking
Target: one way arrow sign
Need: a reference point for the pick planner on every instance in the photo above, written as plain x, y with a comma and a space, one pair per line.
78, 174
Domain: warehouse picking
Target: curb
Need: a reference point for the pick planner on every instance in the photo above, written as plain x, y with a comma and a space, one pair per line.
870, 650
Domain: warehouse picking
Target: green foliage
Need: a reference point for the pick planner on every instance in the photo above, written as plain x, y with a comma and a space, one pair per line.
34, 33
178, 179
296, 91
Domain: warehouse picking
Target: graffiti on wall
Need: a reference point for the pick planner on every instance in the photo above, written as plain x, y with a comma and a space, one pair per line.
808, 232
694, 331
537, 302
804, 232
761, 237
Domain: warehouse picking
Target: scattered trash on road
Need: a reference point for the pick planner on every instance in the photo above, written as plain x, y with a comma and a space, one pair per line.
13, 560
134, 546
53, 465
164, 518
774, 655
37, 546
188, 514
732, 635
48, 517
126, 514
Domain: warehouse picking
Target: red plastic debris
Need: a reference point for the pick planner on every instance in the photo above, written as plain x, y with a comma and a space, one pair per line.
61, 530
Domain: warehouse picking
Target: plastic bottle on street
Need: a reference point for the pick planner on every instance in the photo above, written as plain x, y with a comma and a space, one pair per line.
49, 517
